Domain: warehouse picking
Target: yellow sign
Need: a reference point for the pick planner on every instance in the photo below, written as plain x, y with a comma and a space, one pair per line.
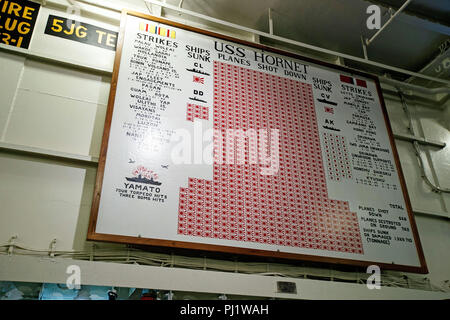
17, 20
81, 32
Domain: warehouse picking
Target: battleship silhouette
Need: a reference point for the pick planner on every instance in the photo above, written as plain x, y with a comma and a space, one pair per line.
141, 179
198, 71
331, 128
326, 101
196, 99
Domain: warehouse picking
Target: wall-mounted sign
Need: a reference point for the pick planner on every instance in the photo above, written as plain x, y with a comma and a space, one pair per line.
81, 32
17, 20
218, 144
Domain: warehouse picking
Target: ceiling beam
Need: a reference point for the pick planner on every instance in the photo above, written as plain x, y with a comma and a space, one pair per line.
413, 11
369, 41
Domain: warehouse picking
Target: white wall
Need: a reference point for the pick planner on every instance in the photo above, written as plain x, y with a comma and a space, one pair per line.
61, 108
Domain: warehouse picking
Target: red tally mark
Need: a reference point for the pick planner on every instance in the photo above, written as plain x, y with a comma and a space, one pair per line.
291, 208
338, 157
196, 111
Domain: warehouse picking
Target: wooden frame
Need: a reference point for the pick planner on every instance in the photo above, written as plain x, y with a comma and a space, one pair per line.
93, 235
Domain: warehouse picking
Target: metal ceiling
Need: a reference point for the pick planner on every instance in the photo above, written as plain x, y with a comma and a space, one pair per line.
410, 42
433, 10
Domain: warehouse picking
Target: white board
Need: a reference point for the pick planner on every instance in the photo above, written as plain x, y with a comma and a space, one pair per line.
218, 145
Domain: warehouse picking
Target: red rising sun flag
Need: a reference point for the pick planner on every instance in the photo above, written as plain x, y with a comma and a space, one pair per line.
347, 79
199, 80
329, 110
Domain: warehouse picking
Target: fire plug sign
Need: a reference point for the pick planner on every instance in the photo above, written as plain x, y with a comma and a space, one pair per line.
17, 20
218, 144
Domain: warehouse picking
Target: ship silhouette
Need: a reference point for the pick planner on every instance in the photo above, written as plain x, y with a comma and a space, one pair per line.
141, 179
198, 71
196, 99
326, 101
331, 128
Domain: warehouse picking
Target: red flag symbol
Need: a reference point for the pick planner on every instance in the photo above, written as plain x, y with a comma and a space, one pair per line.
199, 80
329, 110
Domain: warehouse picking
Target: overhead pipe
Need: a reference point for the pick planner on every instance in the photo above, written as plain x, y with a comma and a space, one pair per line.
364, 48
415, 87
368, 42
270, 22
434, 186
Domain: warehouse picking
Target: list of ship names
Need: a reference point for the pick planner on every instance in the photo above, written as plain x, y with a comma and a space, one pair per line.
153, 77
369, 157
373, 166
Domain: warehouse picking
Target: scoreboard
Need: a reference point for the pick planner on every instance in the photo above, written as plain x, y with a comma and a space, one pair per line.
213, 143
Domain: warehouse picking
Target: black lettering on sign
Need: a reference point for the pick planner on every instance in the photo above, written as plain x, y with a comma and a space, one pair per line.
17, 20
81, 32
